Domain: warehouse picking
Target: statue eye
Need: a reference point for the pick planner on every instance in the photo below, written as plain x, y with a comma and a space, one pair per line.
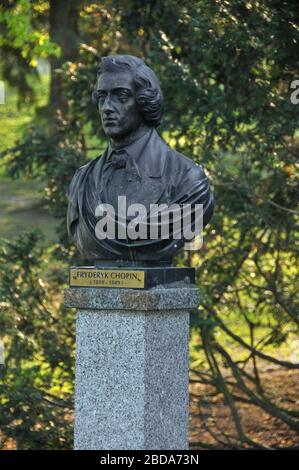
123, 95
101, 96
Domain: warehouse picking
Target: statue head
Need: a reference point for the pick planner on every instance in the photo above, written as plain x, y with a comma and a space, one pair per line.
128, 95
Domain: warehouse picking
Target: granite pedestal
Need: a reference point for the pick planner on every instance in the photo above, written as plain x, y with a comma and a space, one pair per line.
132, 367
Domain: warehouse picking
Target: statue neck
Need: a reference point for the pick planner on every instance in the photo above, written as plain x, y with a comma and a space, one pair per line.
124, 141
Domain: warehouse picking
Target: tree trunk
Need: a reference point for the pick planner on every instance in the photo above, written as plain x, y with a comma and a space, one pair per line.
64, 17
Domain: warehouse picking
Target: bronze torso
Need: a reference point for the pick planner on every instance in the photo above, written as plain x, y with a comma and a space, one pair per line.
153, 174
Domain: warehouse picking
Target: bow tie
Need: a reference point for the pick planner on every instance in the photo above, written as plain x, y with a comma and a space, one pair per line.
121, 159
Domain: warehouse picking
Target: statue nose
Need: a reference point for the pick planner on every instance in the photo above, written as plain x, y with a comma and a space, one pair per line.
107, 106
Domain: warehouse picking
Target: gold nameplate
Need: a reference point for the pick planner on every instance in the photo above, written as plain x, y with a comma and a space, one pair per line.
94, 277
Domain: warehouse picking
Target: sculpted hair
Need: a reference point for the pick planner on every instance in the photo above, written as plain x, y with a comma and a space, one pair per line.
148, 92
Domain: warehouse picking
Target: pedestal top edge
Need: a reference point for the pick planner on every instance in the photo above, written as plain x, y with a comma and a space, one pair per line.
183, 298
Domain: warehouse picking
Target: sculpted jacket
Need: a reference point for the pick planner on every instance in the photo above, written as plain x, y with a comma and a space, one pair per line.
153, 173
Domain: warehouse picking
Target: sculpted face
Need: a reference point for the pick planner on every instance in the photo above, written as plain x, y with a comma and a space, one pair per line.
117, 104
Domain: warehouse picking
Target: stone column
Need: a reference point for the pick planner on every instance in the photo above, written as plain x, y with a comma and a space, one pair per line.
132, 361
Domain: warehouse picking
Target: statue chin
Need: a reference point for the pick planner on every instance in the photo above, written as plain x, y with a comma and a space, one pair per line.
123, 135
118, 135
112, 132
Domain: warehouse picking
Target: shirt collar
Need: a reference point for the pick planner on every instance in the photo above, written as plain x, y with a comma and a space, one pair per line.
151, 153
133, 150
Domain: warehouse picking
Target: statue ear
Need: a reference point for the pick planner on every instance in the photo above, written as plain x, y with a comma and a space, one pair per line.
94, 97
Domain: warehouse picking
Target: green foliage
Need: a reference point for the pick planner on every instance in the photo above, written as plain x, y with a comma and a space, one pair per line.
20, 34
38, 333
24, 40
15, 120
49, 157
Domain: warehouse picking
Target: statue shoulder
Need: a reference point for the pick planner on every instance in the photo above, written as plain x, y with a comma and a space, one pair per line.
82, 169
186, 167
79, 175
193, 184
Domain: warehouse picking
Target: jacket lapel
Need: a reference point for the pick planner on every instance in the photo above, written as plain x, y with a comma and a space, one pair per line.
151, 165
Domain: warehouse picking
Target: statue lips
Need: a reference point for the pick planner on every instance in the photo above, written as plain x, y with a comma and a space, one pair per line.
109, 122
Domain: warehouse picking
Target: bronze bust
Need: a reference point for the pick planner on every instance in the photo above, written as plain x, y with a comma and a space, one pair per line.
137, 164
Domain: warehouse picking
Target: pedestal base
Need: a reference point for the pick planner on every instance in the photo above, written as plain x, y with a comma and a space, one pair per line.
132, 367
